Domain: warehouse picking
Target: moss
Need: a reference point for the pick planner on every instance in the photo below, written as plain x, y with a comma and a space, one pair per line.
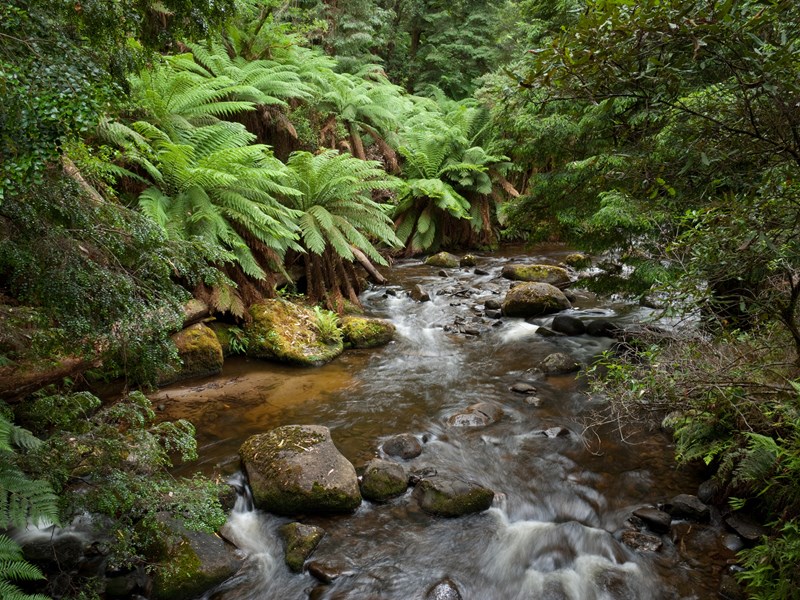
443, 259
176, 575
533, 300
541, 273
578, 260
464, 502
360, 332
380, 486
200, 353
263, 450
287, 332
301, 540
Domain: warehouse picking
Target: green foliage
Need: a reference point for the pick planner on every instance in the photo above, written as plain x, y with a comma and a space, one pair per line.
121, 454
771, 566
327, 324
13, 567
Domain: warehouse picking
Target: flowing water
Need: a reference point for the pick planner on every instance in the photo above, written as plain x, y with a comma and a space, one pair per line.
561, 502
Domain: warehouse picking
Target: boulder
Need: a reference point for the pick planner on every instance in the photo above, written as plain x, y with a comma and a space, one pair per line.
327, 572
546, 332
568, 325
288, 332
602, 328
189, 563
492, 304
418, 294
558, 363
656, 520
300, 541
404, 445
443, 259
746, 527
539, 273
195, 310
533, 300
383, 480
363, 332
296, 469
477, 415
451, 497
686, 506
446, 589
468, 260
200, 353
578, 260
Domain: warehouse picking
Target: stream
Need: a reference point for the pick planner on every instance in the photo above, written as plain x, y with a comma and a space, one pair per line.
560, 505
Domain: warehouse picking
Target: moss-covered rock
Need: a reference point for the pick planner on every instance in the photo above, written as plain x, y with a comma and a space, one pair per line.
300, 541
200, 353
468, 260
363, 332
578, 260
296, 469
443, 259
541, 273
450, 497
383, 480
190, 562
288, 332
533, 300
195, 310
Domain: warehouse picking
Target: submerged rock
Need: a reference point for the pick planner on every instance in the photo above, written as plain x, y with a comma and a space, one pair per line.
533, 300
300, 541
451, 497
446, 589
288, 332
558, 363
686, 506
296, 469
404, 445
364, 332
656, 520
443, 259
523, 388
200, 353
477, 415
643, 542
746, 527
383, 480
539, 273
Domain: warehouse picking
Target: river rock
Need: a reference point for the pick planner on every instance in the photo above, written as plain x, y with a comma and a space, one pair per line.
446, 589
730, 589
708, 491
300, 541
493, 314
568, 325
523, 388
477, 415
686, 506
578, 260
404, 445
546, 331
189, 563
287, 332
533, 300
656, 520
468, 260
746, 527
555, 432
418, 294
443, 259
364, 332
383, 480
558, 363
327, 572
296, 469
200, 353
540, 273
481, 272
451, 497
602, 328
642, 542
194, 310
492, 304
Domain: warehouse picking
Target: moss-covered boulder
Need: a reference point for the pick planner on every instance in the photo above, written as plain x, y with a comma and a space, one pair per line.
533, 300
296, 469
288, 332
578, 260
383, 480
363, 332
443, 259
468, 260
190, 562
200, 353
541, 273
451, 497
299, 541
558, 363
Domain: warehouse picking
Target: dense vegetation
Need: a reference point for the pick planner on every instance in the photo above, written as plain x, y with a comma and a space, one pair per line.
155, 151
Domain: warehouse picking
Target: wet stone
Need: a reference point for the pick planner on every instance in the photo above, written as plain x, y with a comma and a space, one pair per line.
546, 332
481, 272
602, 328
492, 304
446, 589
568, 325
468, 260
405, 446
707, 491
555, 432
558, 362
656, 520
419, 295
746, 527
451, 497
327, 572
523, 388
494, 314
730, 589
641, 542
477, 415
383, 480
300, 541
686, 506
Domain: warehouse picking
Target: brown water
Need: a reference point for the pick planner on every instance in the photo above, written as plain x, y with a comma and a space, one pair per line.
561, 503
